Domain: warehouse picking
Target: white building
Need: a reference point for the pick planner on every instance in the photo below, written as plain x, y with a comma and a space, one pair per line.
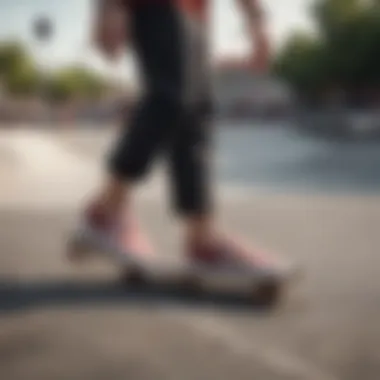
236, 84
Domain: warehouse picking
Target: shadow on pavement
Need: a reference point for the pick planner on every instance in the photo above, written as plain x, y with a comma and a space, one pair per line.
17, 296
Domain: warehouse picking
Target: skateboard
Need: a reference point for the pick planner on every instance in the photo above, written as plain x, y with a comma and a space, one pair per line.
197, 281
148, 272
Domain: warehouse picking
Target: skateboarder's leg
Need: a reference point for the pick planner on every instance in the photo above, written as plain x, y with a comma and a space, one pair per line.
157, 37
189, 153
189, 161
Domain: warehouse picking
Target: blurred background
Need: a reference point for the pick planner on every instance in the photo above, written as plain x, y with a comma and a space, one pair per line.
297, 166
323, 68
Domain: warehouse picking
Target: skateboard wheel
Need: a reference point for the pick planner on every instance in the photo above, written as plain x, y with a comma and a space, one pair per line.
191, 285
134, 277
268, 294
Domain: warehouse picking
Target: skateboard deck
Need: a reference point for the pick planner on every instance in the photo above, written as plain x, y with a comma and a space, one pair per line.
154, 271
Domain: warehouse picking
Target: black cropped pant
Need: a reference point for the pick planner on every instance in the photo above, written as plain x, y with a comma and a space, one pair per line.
172, 116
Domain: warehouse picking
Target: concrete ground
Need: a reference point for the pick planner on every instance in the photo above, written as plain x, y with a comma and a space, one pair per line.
64, 322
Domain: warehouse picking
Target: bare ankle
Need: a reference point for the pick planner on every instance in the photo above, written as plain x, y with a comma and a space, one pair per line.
114, 197
199, 230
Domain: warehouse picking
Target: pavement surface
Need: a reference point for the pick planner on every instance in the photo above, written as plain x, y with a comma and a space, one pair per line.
63, 322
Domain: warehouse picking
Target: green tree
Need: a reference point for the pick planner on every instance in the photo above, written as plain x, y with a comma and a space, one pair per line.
17, 70
332, 16
351, 31
11, 54
302, 62
345, 53
22, 81
76, 82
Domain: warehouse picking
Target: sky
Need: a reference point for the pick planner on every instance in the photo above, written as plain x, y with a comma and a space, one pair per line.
72, 19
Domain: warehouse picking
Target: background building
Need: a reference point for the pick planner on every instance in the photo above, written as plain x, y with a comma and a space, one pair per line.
240, 90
